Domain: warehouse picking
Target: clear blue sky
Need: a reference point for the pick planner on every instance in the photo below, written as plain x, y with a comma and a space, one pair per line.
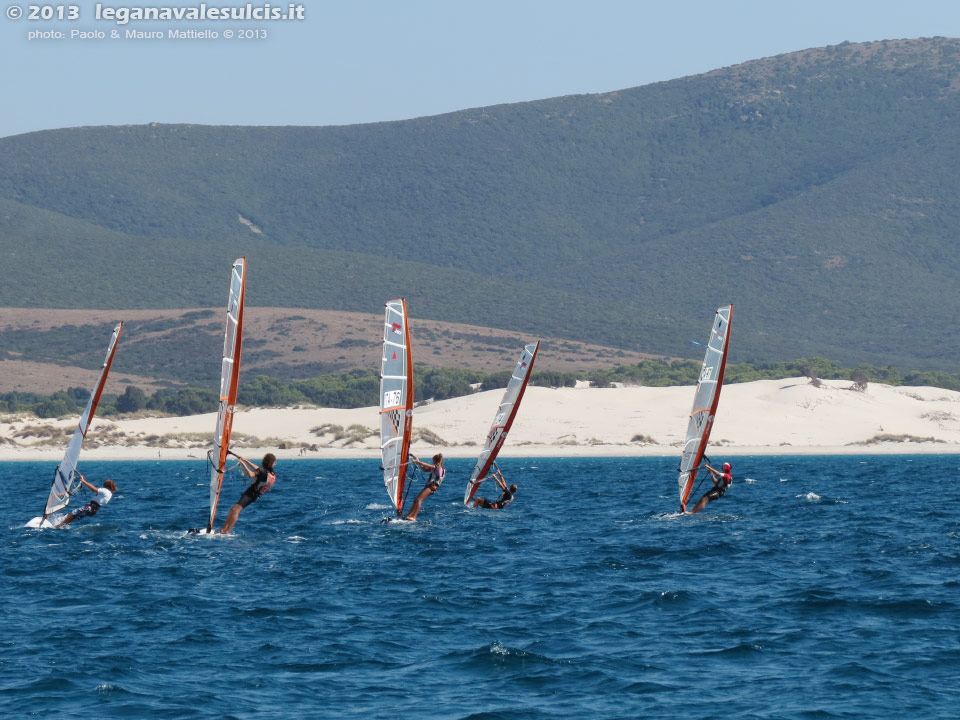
353, 61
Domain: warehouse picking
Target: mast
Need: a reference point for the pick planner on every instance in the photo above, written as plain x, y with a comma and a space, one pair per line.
229, 382
65, 475
503, 420
705, 401
396, 400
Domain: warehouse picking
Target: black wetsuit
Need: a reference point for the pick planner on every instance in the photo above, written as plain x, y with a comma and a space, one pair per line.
500, 503
261, 483
88, 510
720, 487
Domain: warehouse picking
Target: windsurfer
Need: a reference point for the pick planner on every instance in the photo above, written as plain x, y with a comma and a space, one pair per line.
501, 502
721, 481
104, 494
264, 478
437, 473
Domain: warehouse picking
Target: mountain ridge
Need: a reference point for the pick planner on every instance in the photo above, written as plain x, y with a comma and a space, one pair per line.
811, 189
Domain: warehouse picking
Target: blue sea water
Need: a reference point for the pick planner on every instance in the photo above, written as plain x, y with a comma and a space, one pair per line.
818, 587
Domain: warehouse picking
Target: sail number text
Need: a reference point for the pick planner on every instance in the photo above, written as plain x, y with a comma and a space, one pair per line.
391, 399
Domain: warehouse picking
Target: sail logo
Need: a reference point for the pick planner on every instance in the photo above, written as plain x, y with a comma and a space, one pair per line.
397, 329
706, 372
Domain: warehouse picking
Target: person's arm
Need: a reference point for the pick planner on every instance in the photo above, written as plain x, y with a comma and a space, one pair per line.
248, 467
89, 485
500, 481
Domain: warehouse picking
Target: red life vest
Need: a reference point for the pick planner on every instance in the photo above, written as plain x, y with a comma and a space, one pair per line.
271, 479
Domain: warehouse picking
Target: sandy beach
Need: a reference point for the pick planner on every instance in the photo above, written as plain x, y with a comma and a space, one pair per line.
765, 417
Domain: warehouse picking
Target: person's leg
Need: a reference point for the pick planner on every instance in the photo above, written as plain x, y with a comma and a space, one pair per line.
415, 508
701, 504
713, 493
88, 510
231, 518
67, 520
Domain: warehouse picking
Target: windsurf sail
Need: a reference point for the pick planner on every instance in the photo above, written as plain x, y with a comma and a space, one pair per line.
705, 402
396, 401
229, 381
66, 479
503, 419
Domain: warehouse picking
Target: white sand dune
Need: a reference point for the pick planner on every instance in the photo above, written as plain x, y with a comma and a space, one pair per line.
764, 417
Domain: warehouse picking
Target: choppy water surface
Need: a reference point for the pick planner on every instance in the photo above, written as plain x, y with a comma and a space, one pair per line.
817, 588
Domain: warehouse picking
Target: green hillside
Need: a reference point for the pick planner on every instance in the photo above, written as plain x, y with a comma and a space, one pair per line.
815, 190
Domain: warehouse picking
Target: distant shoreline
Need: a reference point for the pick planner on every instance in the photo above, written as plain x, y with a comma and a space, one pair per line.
148, 455
766, 417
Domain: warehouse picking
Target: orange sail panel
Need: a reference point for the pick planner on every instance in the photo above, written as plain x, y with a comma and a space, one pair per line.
66, 478
705, 402
396, 400
503, 419
229, 381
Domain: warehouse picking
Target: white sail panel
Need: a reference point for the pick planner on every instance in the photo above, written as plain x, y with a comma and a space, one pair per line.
503, 420
65, 477
229, 382
705, 401
396, 400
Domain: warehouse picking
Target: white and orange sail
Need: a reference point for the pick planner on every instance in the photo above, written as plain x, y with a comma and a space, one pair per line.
503, 419
705, 402
229, 382
396, 401
66, 479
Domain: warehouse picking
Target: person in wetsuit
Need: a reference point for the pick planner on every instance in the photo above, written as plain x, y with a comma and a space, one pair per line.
501, 502
264, 478
437, 473
721, 481
104, 494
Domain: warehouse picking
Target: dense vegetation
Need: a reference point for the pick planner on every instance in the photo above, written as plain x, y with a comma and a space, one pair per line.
360, 388
658, 373
814, 190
